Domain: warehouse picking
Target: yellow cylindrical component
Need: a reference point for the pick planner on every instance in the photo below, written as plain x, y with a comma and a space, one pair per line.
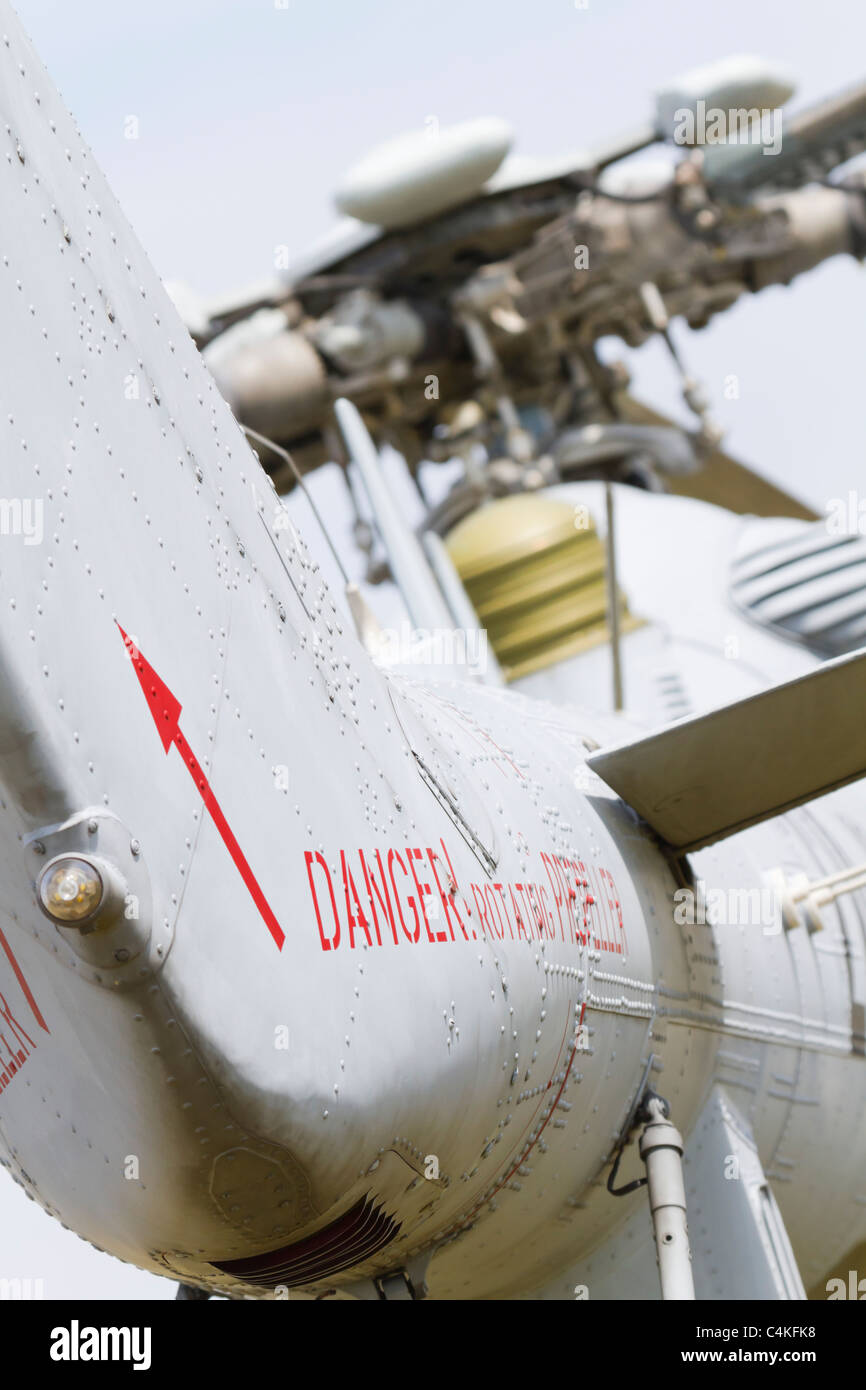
534, 569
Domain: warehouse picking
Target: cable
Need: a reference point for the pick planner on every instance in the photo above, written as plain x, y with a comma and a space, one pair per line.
629, 1186
284, 453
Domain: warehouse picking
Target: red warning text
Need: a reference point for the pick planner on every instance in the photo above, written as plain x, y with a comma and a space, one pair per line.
411, 896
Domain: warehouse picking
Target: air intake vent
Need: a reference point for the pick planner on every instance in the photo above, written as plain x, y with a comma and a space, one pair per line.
348, 1241
807, 585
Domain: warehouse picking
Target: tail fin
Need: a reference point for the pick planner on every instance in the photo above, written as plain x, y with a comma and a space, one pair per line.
131, 497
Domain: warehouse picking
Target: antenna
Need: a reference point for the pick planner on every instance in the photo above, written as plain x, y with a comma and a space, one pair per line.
284, 454
613, 596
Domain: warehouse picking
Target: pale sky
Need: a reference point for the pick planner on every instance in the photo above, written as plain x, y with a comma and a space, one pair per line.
248, 112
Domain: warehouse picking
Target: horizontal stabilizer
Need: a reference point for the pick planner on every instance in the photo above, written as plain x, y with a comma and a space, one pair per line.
705, 778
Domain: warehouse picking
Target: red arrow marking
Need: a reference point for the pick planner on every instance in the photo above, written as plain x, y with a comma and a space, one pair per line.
166, 713
19, 975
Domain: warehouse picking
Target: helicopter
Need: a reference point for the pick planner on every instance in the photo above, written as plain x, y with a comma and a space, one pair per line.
328, 979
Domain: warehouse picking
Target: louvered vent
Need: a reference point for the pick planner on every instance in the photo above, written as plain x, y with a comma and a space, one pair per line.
808, 585
348, 1241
